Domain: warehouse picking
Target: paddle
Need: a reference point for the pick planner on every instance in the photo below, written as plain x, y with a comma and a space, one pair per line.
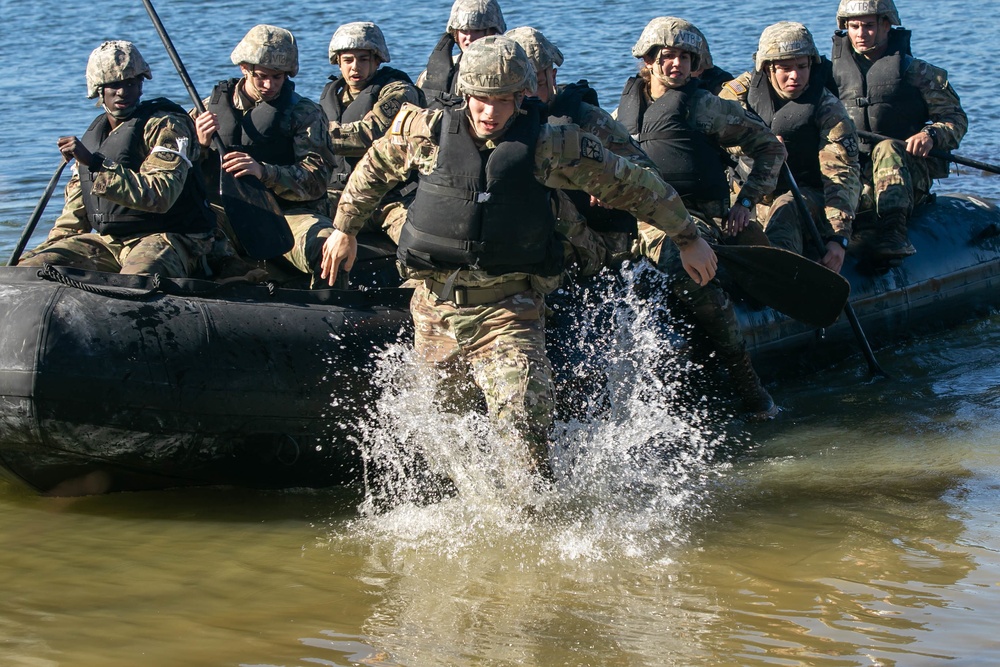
800, 203
791, 284
252, 210
29, 228
936, 152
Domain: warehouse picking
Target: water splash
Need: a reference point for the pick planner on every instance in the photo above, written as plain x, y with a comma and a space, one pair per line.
632, 449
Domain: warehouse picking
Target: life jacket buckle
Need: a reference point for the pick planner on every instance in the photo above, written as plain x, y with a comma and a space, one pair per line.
483, 197
862, 102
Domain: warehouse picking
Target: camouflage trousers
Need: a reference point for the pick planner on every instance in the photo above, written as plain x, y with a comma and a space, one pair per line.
710, 304
893, 180
494, 351
310, 231
170, 255
786, 229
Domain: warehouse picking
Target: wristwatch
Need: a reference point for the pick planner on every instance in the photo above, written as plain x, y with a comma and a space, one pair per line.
745, 203
842, 241
931, 132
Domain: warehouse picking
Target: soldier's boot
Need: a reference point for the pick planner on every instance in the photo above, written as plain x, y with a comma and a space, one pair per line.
893, 242
758, 405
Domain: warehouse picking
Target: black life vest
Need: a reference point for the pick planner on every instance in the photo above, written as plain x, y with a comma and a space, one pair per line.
567, 108
880, 100
713, 79
264, 132
440, 83
483, 209
190, 214
687, 159
364, 102
794, 121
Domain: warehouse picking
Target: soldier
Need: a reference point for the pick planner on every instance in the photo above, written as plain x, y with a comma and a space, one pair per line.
684, 128
599, 236
274, 134
888, 91
787, 91
469, 20
133, 181
361, 103
480, 234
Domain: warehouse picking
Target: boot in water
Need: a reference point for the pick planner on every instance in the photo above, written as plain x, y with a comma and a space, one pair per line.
758, 406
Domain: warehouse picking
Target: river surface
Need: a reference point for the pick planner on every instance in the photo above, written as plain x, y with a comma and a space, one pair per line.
859, 529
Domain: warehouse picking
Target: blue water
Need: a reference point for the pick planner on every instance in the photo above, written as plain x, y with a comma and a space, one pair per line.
859, 529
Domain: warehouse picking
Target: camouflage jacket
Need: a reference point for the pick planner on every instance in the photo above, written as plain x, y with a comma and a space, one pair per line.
353, 139
154, 188
740, 132
304, 180
565, 158
943, 106
838, 153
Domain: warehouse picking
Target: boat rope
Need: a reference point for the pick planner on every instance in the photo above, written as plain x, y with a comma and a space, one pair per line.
50, 272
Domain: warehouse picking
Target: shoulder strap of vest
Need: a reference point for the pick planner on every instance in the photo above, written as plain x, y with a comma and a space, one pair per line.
223, 91
899, 40
386, 75
149, 107
439, 64
336, 83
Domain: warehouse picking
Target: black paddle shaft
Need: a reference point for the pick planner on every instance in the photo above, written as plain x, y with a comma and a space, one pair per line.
800, 202
937, 152
29, 228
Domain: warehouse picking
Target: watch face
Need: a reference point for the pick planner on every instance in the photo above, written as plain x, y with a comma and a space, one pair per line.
746, 202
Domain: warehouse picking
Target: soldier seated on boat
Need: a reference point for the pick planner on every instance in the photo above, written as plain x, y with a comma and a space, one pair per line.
786, 89
469, 20
686, 130
274, 134
480, 236
888, 91
133, 181
359, 105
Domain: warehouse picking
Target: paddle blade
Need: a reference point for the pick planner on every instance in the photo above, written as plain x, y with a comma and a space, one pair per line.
254, 216
791, 284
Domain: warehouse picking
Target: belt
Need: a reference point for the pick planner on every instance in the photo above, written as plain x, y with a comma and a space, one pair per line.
462, 295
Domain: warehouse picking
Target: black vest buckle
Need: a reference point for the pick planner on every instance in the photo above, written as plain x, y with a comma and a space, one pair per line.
862, 102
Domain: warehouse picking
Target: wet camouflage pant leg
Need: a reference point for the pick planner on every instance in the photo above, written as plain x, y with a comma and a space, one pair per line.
80, 251
501, 347
786, 229
650, 242
170, 255
310, 231
897, 181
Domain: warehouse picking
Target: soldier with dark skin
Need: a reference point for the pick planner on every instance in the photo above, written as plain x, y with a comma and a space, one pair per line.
469, 20
888, 91
683, 128
480, 235
287, 145
134, 182
360, 104
786, 89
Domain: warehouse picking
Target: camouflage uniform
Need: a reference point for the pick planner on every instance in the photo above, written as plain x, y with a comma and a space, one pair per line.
300, 186
503, 340
897, 100
352, 139
833, 206
156, 187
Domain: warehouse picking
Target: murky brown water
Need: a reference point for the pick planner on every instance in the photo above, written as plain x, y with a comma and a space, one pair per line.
860, 529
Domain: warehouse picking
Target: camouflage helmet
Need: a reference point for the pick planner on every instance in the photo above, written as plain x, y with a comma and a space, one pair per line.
112, 61
542, 53
668, 31
268, 46
782, 40
493, 66
849, 9
361, 36
704, 55
476, 15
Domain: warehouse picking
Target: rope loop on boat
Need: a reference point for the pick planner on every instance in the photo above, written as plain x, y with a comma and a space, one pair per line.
50, 272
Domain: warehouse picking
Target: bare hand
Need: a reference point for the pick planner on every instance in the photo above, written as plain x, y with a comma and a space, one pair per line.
595, 202
205, 126
699, 261
737, 221
240, 164
339, 252
920, 144
73, 149
834, 257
